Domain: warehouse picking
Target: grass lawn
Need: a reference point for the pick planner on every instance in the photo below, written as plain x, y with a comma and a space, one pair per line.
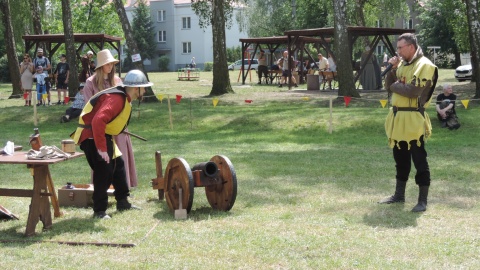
306, 199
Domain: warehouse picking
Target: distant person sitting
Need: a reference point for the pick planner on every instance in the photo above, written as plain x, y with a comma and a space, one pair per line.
446, 108
76, 109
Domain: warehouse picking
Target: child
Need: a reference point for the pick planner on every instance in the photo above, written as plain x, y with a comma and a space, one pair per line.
41, 88
76, 108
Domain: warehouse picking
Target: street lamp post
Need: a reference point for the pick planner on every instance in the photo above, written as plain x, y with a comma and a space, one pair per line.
434, 52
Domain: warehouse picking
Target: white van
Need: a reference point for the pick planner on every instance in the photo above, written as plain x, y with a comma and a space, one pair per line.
238, 64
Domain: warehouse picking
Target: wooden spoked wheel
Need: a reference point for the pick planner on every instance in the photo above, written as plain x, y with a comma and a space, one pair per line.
222, 196
178, 175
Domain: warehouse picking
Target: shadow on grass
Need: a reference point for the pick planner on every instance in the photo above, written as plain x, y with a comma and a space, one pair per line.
393, 216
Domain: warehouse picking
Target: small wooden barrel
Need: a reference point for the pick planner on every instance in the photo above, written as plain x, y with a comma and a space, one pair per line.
68, 146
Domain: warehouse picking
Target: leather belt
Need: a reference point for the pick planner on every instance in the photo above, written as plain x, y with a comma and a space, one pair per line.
408, 109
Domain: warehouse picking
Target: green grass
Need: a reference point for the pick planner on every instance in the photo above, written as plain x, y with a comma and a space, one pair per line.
306, 198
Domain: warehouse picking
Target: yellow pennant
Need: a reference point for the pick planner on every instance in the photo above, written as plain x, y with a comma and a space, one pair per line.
215, 102
383, 102
160, 97
44, 96
306, 98
465, 103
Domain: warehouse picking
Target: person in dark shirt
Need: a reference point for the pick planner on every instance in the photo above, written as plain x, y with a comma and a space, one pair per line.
446, 108
62, 72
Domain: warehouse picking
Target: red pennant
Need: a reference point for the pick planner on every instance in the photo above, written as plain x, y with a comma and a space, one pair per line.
67, 99
248, 100
347, 100
179, 97
25, 95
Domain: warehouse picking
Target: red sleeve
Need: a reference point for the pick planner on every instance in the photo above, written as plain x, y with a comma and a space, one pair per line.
109, 106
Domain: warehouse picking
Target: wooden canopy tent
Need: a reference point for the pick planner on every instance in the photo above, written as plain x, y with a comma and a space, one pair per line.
54, 41
273, 43
354, 32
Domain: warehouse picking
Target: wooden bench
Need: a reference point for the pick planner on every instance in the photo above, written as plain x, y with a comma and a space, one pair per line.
328, 76
273, 75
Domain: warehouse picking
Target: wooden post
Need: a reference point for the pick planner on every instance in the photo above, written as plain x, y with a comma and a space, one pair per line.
170, 113
331, 116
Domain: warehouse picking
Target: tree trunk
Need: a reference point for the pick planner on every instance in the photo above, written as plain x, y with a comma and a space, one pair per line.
10, 49
70, 47
346, 85
474, 35
36, 18
132, 45
221, 79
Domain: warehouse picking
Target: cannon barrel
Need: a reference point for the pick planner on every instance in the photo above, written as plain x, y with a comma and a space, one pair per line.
209, 169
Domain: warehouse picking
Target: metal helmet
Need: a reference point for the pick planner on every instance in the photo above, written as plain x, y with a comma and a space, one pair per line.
136, 78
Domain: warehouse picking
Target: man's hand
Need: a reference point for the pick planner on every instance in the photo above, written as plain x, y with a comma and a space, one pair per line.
104, 156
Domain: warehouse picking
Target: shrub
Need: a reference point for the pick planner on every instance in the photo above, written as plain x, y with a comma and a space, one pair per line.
208, 66
163, 62
4, 71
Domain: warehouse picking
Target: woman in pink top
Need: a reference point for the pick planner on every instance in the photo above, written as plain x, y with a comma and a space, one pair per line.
105, 78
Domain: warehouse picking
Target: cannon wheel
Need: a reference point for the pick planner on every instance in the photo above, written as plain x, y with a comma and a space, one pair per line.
222, 196
178, 175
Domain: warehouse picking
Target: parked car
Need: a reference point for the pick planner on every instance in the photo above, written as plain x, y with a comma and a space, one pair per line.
238, 64
463, 73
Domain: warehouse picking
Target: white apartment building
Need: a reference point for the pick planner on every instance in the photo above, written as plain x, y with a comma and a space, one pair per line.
179, 36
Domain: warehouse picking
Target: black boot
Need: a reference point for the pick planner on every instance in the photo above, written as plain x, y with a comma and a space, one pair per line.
422, 199
123, 205
399, 195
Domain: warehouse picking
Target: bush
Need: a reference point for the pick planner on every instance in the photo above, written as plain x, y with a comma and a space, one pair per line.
208, 66
4, 71
127, 63
163, 62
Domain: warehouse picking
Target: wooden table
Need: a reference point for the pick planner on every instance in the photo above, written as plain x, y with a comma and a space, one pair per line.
42, 189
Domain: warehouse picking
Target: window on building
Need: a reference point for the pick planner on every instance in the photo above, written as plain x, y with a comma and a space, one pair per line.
161, 15
162, 36
187, 47
408, 24
186, 23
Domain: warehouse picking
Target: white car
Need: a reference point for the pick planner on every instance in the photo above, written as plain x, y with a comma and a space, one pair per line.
238, 64
463, 73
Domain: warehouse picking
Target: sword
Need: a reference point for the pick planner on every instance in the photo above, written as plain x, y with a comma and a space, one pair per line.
134, 135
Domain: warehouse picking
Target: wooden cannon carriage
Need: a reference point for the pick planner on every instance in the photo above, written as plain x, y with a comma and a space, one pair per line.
217, 176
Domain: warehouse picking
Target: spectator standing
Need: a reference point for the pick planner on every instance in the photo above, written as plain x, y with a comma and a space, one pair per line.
323, 64
412, 81
85, 61
92, 67
41, 87
368, 79
385, 59
63, 73
446, 108
76, 108
262, 67
192, 63
43, 61
105, 78
26, 70
287, 70
331, 63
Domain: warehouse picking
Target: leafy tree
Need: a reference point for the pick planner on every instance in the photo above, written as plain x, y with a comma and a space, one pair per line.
440, 21
234, 53
10, 47
144, 30
217, 13
132, 45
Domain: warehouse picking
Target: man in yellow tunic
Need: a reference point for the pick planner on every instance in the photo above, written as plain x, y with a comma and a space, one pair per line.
411, 83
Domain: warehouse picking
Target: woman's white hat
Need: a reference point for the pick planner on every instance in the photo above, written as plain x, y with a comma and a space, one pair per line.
105, 57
